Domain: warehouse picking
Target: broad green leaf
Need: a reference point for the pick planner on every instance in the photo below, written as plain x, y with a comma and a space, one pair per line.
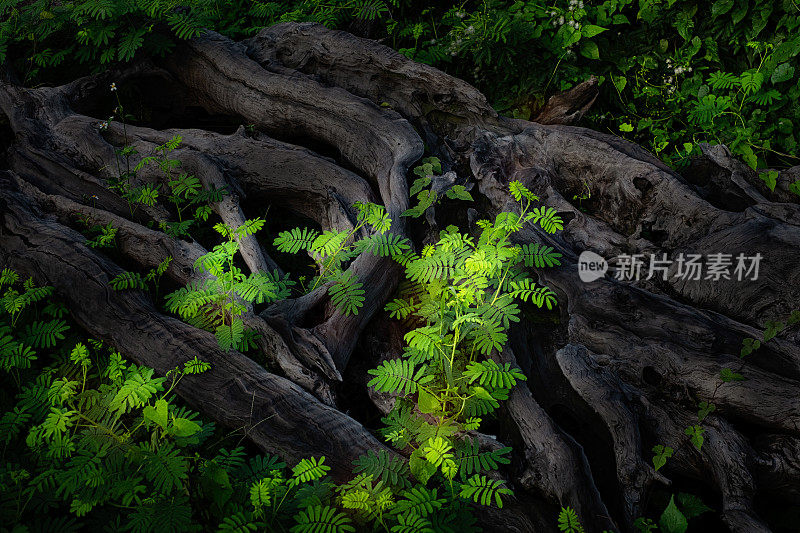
662, 453
428, 403
782, 72
770, 177
672, 519
157, 414
692, 505
183, 427
729, 375
590, 30
720, 7
589, 49
421, 468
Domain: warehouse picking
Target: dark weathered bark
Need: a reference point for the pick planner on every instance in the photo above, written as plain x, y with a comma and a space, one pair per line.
629, 360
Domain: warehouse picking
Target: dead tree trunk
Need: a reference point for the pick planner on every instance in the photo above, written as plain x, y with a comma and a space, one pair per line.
337, 119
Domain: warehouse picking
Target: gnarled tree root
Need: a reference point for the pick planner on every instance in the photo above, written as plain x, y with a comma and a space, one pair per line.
334, 119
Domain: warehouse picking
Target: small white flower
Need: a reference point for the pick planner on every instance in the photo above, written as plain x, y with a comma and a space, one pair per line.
104, 125
113, 87
470, 30
560, 21
580, 4
95, 197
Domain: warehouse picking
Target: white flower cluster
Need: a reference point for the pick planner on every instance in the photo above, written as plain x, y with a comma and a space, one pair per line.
454, 46
559, 20
676, 71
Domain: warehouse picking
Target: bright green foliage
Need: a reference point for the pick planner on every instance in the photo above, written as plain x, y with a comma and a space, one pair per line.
471, 460
392, 470
491, 374
322, 519
308, 470
465, 293
540, 256
547, 218
368, 499
134, 280
184, 191
568, 521
127, 281
295, 240
40, 334
217, 304
672, 519
419, 500
333, 249
346, 292
412, 523
90, 432
480, 488
93, 441
195, 366
397, 375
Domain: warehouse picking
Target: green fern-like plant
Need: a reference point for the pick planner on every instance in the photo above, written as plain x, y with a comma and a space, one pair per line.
427, 197
217, 304
568, 521
322, 519
333, 249
391, 470
484, 490
464, 294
